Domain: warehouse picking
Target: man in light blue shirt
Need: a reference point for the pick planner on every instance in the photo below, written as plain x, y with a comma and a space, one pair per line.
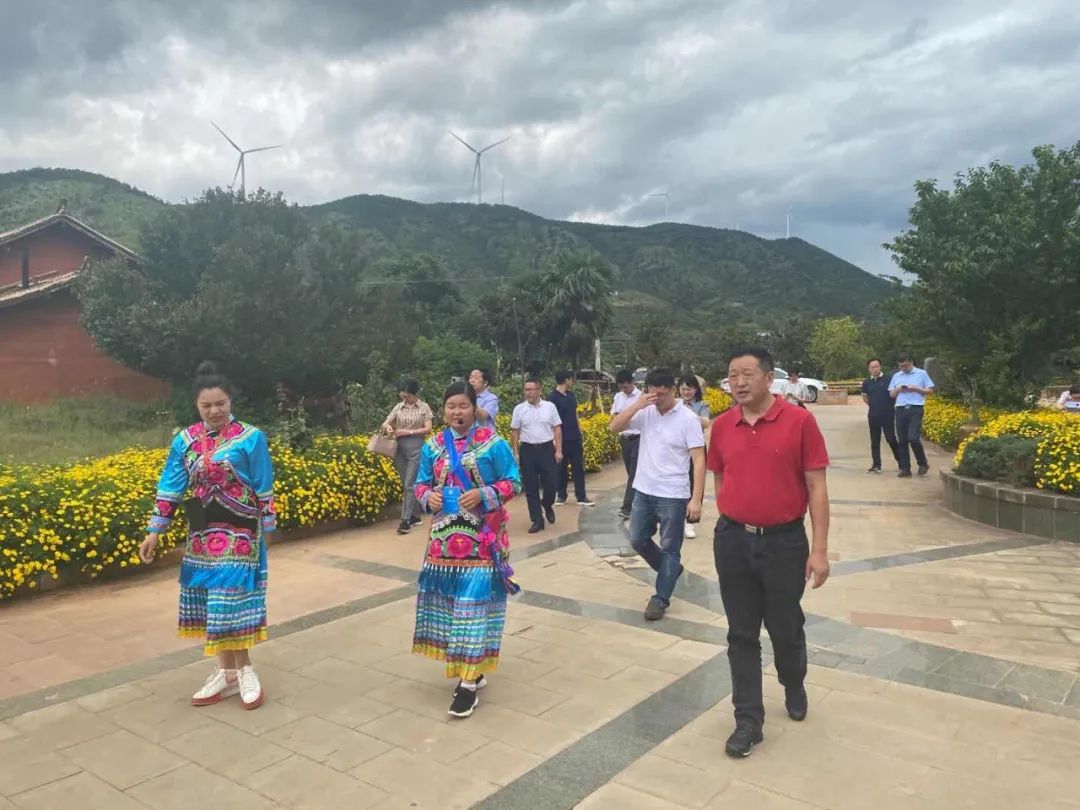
487, 401
910, 387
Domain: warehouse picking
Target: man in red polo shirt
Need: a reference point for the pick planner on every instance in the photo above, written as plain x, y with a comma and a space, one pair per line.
768, 459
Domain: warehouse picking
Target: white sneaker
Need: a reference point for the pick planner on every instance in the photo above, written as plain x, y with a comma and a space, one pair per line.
688, 531
250, 689
221, 684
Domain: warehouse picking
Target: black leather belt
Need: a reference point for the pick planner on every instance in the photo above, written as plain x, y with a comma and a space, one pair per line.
906, 407
762, 530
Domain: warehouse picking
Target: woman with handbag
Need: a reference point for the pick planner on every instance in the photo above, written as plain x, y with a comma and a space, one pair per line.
467, 474
225, 464
408, 422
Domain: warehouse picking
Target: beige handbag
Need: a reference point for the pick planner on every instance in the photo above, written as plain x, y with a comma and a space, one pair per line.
383, 445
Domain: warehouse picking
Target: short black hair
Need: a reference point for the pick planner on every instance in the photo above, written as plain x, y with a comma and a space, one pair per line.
207, 376
660, 378
562, 375
903, 357
532, 380
485, 373
759, 353
691, 381
460, 387
409, 385
624, 376
873, 360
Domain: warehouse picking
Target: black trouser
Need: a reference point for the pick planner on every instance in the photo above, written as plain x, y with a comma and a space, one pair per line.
882, 423
629, 446
762, 578
538, 471
909, 434
573, 452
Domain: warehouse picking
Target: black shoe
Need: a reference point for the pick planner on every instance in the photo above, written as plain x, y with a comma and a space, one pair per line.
586, 502
796, 703
536, 527
464, 702
742, 741
904, 474
654, 610
404, 527
874, 470
923, 470
560, 501
624, 514
549, 513
415, 521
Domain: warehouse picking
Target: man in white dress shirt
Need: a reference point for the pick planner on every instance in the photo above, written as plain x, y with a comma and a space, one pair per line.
629, 439
536, 434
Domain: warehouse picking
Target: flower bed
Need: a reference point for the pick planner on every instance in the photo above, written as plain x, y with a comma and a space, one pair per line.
1057, 457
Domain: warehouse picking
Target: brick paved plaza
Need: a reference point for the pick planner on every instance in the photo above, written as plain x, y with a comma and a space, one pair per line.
944, 661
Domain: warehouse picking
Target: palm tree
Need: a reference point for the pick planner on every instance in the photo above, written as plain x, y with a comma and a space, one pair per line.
576, 302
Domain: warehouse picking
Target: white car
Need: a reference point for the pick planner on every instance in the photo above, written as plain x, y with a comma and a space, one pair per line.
813, 387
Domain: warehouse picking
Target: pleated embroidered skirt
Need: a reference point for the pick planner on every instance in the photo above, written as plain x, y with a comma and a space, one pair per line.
461, 601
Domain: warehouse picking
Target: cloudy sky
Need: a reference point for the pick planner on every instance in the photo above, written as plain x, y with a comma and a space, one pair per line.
737, 109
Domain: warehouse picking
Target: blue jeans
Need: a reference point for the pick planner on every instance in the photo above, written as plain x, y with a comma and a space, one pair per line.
648, 512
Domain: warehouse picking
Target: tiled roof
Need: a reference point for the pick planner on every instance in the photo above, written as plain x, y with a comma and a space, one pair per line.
67, 219
15, 294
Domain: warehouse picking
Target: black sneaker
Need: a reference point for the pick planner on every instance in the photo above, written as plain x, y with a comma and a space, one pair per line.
464, 702
904, 474
560, 501
796, 703
654, 610
415, 521
923, 470
586, 502
549, 513
624, 514
874, 470
742, 741
536, 527
404, 527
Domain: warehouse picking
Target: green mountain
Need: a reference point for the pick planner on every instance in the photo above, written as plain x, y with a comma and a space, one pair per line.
114, 208
664, 269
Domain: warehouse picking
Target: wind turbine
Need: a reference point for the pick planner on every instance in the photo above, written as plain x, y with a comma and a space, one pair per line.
667, 196
477, 175
788, 229
240, 163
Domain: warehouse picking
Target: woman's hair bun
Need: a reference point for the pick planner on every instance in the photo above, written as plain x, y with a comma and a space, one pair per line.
207, 376
206, 368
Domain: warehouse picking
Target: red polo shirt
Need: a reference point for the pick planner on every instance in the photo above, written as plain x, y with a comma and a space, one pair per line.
764, 464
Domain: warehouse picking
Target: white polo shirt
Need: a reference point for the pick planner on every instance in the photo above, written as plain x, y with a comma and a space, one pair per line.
621, 403
537, 422
664, 454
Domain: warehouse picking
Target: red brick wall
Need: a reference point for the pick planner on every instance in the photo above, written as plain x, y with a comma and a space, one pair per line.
46, 354
56, 248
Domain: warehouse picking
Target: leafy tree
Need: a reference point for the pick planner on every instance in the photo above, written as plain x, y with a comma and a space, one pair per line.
250, 283
995, 264
437, 362
576, 303
837, 346
652, 342
788, 339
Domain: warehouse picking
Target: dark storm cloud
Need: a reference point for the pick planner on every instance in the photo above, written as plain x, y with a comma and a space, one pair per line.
738, 109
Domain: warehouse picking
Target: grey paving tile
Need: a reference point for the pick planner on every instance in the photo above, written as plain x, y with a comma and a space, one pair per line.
122, 759
1048, 684
192, 786
82, 790
975, 669
940, 683
1073, 698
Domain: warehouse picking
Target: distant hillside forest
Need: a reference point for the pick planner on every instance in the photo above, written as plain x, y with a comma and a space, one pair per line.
680, 288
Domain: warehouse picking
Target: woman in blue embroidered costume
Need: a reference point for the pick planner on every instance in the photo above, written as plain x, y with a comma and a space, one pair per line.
225, 464
467, 474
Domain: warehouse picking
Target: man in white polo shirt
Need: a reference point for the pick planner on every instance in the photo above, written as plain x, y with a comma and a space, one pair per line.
629, 440
671, 437
536, 433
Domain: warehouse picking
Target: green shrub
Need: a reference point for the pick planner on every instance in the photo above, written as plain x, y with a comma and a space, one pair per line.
1005, 458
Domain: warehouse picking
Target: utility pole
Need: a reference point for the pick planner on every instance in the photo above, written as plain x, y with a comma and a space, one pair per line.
521, 351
